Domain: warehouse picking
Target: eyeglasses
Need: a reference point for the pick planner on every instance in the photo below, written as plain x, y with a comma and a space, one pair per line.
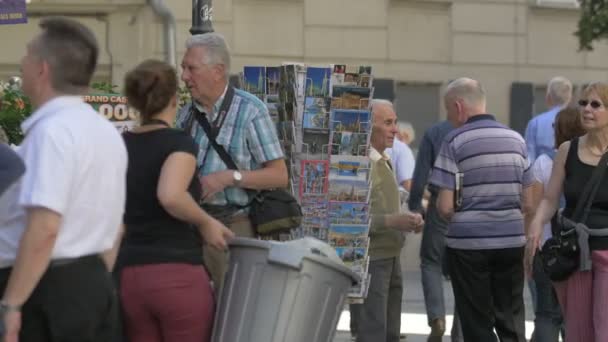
594, 104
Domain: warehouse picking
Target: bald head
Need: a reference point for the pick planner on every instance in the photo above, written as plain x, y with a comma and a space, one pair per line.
464, 97
467, 89
384, 124
380, 104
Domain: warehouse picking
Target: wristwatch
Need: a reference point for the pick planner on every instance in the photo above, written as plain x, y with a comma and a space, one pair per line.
237, 177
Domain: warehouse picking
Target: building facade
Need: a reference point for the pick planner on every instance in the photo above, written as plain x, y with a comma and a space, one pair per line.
414, 45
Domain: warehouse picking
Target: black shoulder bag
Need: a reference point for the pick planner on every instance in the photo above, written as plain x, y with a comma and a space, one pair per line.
560, 254
270, 210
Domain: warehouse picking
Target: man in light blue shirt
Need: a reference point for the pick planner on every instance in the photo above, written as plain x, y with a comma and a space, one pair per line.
540, 137
403, 163
540, 134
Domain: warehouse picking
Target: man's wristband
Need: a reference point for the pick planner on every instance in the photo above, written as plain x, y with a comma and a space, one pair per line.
5, 307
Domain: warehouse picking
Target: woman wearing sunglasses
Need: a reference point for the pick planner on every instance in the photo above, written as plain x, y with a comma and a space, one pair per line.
583, 297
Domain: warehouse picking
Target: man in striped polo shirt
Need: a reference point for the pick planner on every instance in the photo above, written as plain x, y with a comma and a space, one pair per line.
485, 239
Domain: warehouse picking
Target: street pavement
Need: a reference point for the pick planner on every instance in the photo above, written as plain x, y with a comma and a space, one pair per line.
413, 317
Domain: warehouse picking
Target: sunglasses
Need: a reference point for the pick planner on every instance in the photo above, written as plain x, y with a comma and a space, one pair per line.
594, 104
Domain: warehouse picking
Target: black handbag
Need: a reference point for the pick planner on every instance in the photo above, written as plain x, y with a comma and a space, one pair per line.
270, 211
560, 254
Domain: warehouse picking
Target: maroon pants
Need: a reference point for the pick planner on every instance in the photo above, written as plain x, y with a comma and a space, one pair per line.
167, 303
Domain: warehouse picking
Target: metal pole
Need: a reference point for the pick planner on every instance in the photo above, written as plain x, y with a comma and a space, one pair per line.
202, 17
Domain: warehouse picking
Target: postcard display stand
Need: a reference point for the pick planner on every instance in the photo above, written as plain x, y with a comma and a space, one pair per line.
323, 120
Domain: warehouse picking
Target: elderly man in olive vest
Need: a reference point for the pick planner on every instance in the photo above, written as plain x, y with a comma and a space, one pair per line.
378, 319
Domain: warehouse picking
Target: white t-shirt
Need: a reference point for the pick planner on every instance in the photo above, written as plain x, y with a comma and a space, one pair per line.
76, 166
542, 172
403, 160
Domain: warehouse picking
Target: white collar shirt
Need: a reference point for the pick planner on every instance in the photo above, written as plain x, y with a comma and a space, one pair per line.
375, 155
76, 164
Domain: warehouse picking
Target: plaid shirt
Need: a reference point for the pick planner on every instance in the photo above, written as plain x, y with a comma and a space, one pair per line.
248, 135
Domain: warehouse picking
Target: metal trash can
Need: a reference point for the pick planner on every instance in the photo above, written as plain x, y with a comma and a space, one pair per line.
274, 292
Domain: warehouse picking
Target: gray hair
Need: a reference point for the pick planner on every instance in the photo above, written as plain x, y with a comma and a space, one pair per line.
408, 128
216, 49
467, 89
559, 90
381, 102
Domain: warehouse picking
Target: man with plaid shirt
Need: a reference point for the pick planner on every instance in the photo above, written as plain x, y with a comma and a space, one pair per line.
246, 132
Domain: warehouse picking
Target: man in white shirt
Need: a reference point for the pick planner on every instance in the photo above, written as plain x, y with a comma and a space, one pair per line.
56, 286
404, 162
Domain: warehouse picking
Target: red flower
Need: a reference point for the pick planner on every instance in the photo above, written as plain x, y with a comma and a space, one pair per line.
19, 104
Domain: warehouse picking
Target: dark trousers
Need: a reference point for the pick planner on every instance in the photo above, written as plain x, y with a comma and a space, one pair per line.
73, 302
548, 320
488, 289
378, 319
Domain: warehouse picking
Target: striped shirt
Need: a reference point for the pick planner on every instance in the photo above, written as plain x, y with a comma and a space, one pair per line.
248, 135
493, 160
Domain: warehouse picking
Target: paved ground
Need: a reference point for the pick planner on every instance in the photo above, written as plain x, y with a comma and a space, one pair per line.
413, 318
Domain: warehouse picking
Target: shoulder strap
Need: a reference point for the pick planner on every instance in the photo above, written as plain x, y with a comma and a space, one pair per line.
212, 133
588, 195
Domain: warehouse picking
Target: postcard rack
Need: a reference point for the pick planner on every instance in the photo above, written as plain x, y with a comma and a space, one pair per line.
323, 121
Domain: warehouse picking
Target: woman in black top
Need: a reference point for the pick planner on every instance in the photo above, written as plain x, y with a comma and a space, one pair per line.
583, 297
164, 288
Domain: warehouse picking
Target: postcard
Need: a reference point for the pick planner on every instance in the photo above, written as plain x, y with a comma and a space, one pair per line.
336, 80
315, 144
339, 68
288, 84
272, 80
365, 70
314, 205
351, 254
316, 113
348, 168
350, 97
315, 199
348, 120
315, 210
358, 292
349, 143
254, 79
361, 267
286, 131
314, 177
317, 82
365, 81
299, 112
351, 79
287, 112
349, 191
273, 110
274, 99
364, 104
345, 235
354, 69
315, 222
348, 213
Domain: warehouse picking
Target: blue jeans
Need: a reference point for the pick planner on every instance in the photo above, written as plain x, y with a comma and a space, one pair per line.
432, 251
548, 321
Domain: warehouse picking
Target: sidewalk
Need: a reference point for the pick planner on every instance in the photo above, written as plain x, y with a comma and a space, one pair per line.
413, 317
